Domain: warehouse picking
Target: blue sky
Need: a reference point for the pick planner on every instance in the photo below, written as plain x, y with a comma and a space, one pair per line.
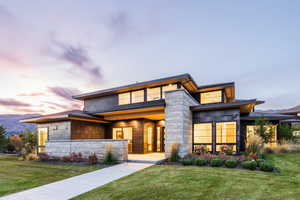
52, 49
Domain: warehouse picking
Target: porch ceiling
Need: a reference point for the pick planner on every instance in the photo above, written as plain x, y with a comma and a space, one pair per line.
154, 113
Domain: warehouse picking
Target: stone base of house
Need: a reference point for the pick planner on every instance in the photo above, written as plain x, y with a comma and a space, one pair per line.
100, 147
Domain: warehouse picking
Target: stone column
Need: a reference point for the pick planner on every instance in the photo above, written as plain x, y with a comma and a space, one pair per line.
178, 121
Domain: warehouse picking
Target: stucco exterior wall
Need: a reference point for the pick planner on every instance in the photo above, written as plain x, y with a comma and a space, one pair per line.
100, 104
58, 130
178, 121
87, 147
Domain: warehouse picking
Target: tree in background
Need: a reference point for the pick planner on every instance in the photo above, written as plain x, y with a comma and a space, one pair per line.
286, 132
263, 130
3, 139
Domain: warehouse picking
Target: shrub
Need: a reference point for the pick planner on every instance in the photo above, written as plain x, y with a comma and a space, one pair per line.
109, 157
202, 149
216, 162
17, 143
231, 163
93, 159
262, 155
259, 162
227, 149
43, 156
187, 161
174, 153
201, 161
249, 165
254, 145
266, 166
76, 157
66, 159
31, 156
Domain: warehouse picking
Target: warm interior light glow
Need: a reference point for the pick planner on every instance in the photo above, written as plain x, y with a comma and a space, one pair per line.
124, 98
124, 133
153, 94
42, 138
298, 114
203, 133
253, 130
137, 96
226, 132
211, 97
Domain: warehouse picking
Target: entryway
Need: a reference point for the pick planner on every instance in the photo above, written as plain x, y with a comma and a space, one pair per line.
154, 158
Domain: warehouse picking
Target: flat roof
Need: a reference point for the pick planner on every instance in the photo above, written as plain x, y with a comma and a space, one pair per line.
67, 115
218, 106
268, 116
185, 79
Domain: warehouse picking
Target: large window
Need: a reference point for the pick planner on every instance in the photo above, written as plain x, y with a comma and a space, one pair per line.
42, 138
123, 133
203, 133
137, 96
153, 94
226, 132
169, 87
124, 98
211, 97
254, 130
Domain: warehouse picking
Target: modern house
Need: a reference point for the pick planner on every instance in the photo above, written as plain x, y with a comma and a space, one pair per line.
151, 116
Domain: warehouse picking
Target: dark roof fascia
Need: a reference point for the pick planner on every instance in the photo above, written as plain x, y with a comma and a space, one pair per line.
290, 112
291, 120
150, 104
109, 91
267, 116
218, 106
229, 84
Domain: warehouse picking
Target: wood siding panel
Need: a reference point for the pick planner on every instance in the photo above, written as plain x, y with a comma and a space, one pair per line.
87, 130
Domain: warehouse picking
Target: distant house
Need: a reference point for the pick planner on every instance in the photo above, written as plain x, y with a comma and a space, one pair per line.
151, 116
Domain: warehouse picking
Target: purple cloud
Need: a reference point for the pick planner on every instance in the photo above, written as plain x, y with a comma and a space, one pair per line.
34, 94
63, 92
13, 102
77, 56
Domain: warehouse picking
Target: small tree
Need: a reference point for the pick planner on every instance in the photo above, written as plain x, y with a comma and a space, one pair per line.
3, 139
286, 132
29, 139
263, 130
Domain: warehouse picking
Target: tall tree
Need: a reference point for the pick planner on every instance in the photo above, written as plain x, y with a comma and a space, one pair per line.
3, 139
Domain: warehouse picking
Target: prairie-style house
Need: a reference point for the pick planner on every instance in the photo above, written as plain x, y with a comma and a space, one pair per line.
153, 115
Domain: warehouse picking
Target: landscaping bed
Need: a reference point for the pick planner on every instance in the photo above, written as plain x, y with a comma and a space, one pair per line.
208, 183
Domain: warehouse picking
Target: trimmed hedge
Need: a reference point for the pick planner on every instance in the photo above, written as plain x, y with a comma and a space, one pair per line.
201, 161
231, 163
249, 165
216, 162
266, 166
187, 162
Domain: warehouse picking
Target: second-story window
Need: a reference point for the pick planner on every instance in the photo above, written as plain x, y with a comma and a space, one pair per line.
153, 94
124, 98
137, 96
211, 97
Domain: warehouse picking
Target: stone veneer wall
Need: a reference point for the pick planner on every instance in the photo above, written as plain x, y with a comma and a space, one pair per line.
87, 147
178, 121
58, 130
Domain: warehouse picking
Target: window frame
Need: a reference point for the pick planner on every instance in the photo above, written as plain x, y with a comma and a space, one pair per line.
222, 97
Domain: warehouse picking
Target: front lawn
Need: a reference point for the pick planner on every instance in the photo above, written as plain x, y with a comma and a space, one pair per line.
192, 182
17, 175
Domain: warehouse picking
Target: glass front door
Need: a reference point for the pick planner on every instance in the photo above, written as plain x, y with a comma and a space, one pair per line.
42, 138
124, 133
160, 139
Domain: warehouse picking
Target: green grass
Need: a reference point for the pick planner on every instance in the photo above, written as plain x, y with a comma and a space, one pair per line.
192, 182
18, 175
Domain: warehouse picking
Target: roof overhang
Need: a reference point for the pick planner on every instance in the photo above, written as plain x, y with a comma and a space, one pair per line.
267, 116
153, 113
229, 89
57, 118
185, 79
245, 106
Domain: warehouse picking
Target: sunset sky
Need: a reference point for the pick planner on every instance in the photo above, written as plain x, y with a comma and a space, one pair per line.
51, 50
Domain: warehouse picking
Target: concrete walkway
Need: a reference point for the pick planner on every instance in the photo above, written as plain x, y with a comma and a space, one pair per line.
72, 187
154, 158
